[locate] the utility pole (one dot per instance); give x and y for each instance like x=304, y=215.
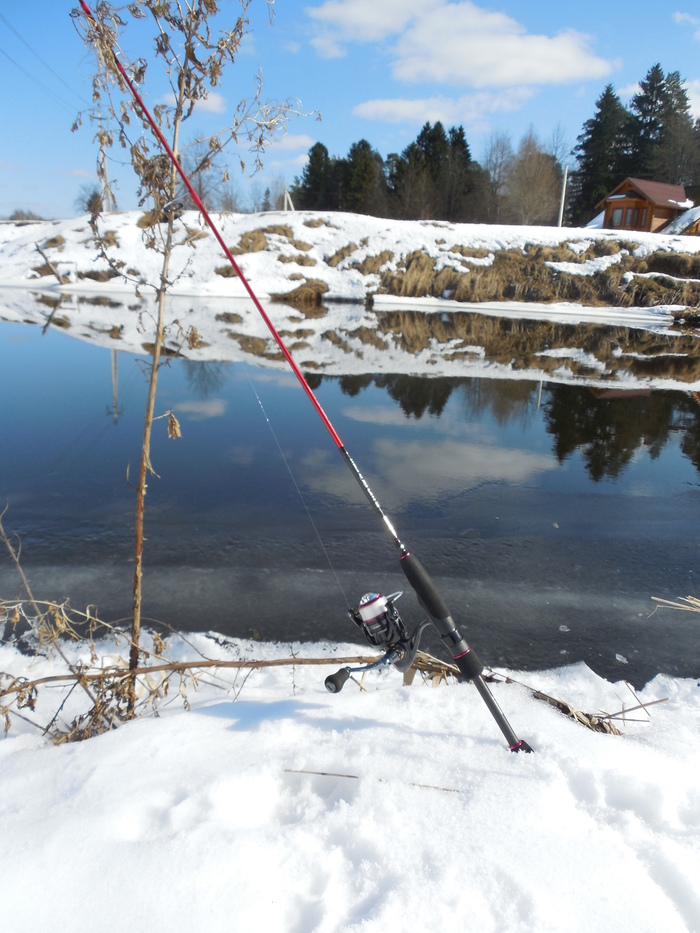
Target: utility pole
x=563, y=195
x=109, y=202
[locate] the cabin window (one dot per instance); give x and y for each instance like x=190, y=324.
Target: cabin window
x=644, y=218
x=632, y=217
x=616, y=220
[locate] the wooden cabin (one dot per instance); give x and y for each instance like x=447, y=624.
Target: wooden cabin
x=637, y=204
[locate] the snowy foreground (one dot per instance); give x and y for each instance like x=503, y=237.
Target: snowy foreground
x=216, y=819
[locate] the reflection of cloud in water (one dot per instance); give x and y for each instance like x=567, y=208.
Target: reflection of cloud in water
x=198, y=411
x=394, y=417
x=241, y=454
x=281, y=378
x=379, y=415
x=404, y=472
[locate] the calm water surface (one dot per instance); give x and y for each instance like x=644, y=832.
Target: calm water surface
x=548, y=515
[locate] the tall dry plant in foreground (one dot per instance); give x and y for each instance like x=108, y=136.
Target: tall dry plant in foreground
x=192, y=50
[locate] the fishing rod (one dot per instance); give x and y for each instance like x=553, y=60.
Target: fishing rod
x=380, y=627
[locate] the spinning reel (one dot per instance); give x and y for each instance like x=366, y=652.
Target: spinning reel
x=382, y=627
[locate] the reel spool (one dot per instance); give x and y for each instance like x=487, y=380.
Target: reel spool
x=383, y=628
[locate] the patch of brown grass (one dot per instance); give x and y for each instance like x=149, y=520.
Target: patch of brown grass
x=467, y=251
x=678, y=265
x=229, y=317
x=340, y=255
x=109, y=238
x=306, y=297
x=299, y=259
x=514, y=276
x=43, y=269
x=372, y=264
x=227, y=271
x=99, y=275
x=55, y=242
x=316, y=222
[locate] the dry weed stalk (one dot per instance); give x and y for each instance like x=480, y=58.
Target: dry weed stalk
x=39, y=627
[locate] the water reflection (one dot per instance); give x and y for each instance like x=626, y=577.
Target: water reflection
x=535, y=505
x=607, y=427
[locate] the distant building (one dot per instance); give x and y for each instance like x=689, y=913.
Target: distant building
x=637, y=204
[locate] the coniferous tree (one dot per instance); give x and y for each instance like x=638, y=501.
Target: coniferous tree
x=601, y=155
x=313, y=192
x=365, y=183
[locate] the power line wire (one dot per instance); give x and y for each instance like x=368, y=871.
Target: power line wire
x=46, y=65
x=59, y=100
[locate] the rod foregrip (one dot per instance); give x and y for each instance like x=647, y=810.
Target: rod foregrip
x=430, y=599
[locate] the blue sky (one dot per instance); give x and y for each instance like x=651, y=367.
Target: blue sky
x=373, y=69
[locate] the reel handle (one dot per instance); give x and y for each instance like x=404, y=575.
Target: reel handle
x=335, y=682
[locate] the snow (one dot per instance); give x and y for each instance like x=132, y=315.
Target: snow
x=273, y=805
x=681, y=223
x=277, y=806
x=299, y=245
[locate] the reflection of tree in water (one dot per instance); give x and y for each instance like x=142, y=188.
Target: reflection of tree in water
x=417, y=395
x=690, y=441
x=205, y=377
x=609, y=431
x=506, y=399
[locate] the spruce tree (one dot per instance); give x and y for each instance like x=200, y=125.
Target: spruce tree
x=601, y=155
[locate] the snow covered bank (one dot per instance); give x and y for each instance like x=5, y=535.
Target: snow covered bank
x=218, y=819
x=349, y=255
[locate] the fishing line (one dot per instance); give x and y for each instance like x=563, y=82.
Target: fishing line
x=428, y=595
x=300, y=494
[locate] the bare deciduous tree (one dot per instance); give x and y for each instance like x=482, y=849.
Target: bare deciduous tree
x=496, y=161
x=534, y=180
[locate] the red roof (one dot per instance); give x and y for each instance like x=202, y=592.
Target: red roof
x=657, y=192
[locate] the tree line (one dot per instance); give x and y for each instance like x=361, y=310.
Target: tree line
x=435, y=177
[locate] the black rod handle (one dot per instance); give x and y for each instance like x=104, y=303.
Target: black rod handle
x=464, y=657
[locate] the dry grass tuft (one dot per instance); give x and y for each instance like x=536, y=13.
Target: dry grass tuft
x=229, y=317
x=340, y=255
x=226, y=272
x=467, y=251
x=99, y=275
x=299, y=259
x=372, y=264
x=306, y=297
x=55, y=242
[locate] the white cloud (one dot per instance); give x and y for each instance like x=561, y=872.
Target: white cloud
x=470, y=109
x=457, y=43
x=291, y=142
x=693, y=88
x=687, y=19
x=214, y=103
x=369, y=20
